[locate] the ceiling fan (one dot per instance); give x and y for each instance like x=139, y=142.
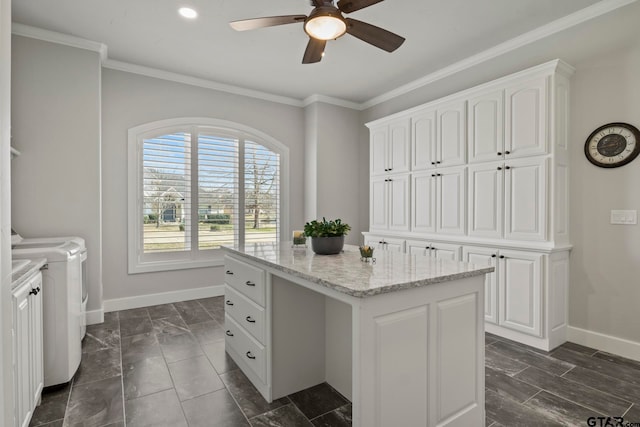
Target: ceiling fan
x=325, y=22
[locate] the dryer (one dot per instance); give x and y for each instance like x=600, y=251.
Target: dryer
x=63, y=316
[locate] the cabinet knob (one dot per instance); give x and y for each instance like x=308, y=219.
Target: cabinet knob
x=493, y=256
x=507, y=152
x=390, y=169
x=501, y=256
x=249, y=283
x=228, y=302
x=386, y=170
x=433, y=163
x=507, y=167
x=250, y=356
x=433, y=174
x=438, y=174
x=229, y=272
x=438, y=162
x=499, y=168
x=380, y=242
x=499, y=153
x=33, y=292
x=229, y=333
x=390, y=180
x=250, y=319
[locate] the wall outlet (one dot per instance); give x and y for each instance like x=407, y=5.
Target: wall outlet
x=624, y=217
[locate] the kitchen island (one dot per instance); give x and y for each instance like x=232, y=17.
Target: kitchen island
x=402, y=338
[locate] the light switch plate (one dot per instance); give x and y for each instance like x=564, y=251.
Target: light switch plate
x=624, y=217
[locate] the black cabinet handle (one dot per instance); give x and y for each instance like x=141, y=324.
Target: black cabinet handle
x=433, y=163
x=250, y=283
x=229, y=272
x=507, y=167
x=250, y=356
x=493, y=256
x=507, y=152
x=501, y=256
x=499, y=168
x=250, y=320
x=38, y=289
x=438, y=162
x=499, y=153
x=390, y=180
x=390, y=169
x=433, y=175
x=438, y=174
x=228, y=302
x=33, y=292
x=229, y=333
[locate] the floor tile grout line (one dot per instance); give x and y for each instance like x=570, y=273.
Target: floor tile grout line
x=628, y=409
x=574, y=402
x=537, y=393
x=328, y=412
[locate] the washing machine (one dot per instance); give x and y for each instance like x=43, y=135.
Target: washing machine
x=63, y=315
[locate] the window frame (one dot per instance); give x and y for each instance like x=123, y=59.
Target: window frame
x=138, y=261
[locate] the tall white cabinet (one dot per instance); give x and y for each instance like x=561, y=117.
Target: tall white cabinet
x=486, y=170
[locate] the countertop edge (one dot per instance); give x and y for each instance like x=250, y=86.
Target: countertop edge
x=25, y=273
x=367, y=293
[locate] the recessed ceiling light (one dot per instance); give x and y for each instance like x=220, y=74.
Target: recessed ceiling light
x=187, y=12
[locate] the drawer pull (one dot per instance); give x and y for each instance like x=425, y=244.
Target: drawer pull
x=250, y=356
x=229, y=333
x=250, y=320
x=250, y=283
x=229, y=272
x=228, y=302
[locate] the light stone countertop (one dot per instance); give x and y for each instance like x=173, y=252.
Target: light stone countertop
x=346, y=273
x=25, y=273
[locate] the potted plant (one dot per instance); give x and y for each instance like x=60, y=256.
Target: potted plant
x=327, y=237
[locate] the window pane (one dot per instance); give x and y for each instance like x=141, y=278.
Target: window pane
x=167, y=195
x=217, y=191
x=262, y=193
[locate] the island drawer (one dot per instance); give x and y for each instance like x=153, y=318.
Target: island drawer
x=246, y=312
x=250, y=351
x=245, y=278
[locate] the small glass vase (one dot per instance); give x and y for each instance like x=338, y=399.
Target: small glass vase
x=366, y=254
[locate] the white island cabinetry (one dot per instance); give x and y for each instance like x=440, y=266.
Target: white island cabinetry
x=411, y=328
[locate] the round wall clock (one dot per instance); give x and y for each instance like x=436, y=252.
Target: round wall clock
x=613, y=145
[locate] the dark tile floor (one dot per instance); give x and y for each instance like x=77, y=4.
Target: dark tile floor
x=166, y=366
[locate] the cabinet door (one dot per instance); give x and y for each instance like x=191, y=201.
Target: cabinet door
x=521, y=291
x=22, y=345
x=418, y=247
x=37, y=367
x=446, y=251
x=451, y=204
x=525, y=199
x=526, y=118
x=423, y=140
x=378, y=147
x=399, y=146
x=379, y=207
x=451, y=131
x=486, y=199
x=485, y=257
x=398, y=196
x=394, y=245
x=423, y=202
x=486, y=127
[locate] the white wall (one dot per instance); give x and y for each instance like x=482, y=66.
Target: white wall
x=332, y=152
x=6, y=368
x=56, y=126
x=605, y=262
x=130, y=100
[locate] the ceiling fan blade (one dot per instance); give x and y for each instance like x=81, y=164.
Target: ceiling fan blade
x=267, y=21
x=314, y=51
x=385, y=40
x=348, y=6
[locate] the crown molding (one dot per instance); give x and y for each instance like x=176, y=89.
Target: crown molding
x=312, y=99
x=59, y=38
x=195, y=81
x=593, y=11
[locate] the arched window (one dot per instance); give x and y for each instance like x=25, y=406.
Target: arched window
x=196, y=184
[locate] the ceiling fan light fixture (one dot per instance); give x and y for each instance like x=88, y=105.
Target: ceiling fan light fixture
x=188, y=12
x=325, y=26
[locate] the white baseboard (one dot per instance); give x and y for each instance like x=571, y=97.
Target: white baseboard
x=162, y=298
x=95, y=316
x=610, y=344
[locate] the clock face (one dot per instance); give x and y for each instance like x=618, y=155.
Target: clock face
x=613, y=145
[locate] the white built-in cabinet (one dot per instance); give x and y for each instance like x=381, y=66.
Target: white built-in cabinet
x=28, y=347
x=487, y=170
